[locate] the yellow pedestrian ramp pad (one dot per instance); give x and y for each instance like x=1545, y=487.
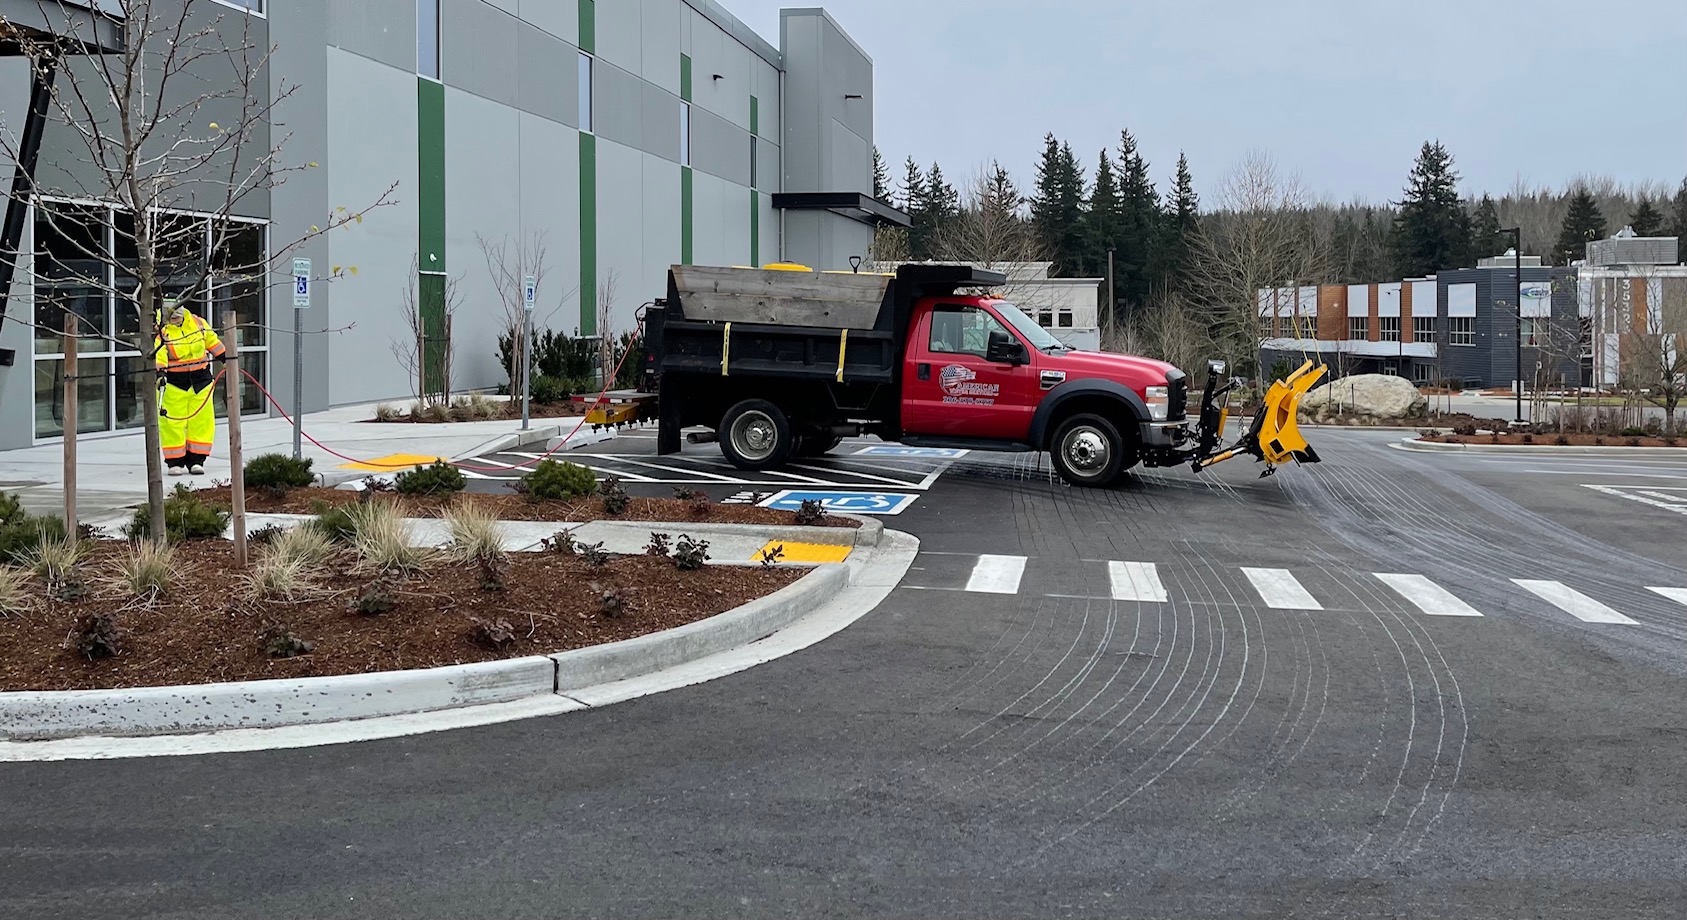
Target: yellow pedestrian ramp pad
x=805, y=552
x=392, y=463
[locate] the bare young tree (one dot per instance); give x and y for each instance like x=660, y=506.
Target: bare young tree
x=606, y=337
x=425, y=351
x=1169, y=330
x=1653, y=349
x=1259, y=238
x=175, y=134
x=508, y=262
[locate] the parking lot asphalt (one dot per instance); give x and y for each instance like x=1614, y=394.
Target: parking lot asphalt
x=1387, y=685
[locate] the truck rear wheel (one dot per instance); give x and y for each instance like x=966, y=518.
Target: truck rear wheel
x=755, y=435
x=1088, y=450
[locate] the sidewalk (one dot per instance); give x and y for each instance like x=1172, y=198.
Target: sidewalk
x=111, y=469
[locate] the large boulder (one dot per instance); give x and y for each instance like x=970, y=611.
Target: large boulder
x=1367, y=396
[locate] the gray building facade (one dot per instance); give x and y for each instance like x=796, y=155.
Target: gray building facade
x=618, y=137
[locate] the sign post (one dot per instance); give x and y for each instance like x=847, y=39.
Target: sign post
x=301, y=303
x=529, y=295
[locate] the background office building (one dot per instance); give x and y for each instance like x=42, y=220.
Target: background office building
x=618, y=136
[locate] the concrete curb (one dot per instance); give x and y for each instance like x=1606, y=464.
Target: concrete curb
x=1435, y=447
x=870, y=533
x=145, y=711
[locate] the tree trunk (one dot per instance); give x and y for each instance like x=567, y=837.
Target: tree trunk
x=154, y=443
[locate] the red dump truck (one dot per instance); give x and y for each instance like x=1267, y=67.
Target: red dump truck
x=783, y=362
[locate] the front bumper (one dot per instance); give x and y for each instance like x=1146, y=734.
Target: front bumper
x=1161, y=435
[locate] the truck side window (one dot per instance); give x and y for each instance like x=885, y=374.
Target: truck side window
x=958, y=330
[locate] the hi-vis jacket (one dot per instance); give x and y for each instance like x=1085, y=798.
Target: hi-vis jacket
x=187, y=347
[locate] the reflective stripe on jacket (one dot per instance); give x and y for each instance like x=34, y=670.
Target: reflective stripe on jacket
x=189, y=346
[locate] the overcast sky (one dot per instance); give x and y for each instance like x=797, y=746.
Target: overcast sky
x=1344, y=92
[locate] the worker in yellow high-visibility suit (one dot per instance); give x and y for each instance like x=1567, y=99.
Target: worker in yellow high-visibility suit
x=184, y=349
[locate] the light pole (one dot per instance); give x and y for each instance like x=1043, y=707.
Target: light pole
x=1517, y=268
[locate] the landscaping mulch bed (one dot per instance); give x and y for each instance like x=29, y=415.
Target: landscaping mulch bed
x=207, y=628
x=1567, y=439
x=511, y=507
x=506, y=411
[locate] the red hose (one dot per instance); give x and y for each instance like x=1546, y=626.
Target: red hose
x=477, y=469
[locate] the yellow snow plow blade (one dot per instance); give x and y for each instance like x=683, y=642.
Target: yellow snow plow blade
x=1274, y=437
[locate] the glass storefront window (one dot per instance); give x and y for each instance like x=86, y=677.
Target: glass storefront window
x=133, y=376
x=251, y=400
x=90, y=396
x=240, y=268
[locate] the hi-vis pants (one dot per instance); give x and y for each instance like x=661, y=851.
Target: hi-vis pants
x=189, y=420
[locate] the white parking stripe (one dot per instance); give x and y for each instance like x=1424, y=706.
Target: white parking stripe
x=1428, y=596
x=1679, y=595
x=1281, y=590
x=997, y=575
x=1573, y=602
x=1136, y=581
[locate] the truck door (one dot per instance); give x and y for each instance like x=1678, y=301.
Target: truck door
x=954, y=386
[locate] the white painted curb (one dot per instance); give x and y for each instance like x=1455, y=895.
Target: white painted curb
x=1434, y=447
x=868, y=534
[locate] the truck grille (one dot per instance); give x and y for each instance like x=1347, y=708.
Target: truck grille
x=1177, y=392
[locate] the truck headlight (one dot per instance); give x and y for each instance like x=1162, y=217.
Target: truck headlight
x=1159, y=402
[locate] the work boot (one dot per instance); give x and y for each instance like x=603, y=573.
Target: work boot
x=176, y=471
x=196, y=470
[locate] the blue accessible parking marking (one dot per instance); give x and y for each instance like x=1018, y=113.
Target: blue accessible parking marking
x=842, y=502
x=897, y=450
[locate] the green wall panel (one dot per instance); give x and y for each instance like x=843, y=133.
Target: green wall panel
x=588, y=234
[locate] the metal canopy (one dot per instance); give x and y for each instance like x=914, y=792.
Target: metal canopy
x=853, y=205
x=72, y=26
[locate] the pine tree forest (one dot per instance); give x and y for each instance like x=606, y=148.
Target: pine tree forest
x=1184, y=268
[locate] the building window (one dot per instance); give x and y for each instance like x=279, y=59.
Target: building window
x=250, y=6
x=685, y=134
x=1065, y=319
x=1388, y=328
x=427, y=38
x=1461, y=330
x=1358, y=327
x=1423, y=374
x=1423, y=328
x=1535, y=333
x=585, y=92
x=85, y=258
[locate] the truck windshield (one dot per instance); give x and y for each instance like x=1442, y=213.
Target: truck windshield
x=1039, y=337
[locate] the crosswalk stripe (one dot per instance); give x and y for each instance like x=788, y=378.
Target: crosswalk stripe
x=1427, y=596
x=1281, y=590
x=1679, y=595
x=1136, y=581
x=1573, y=602
x=996, y=575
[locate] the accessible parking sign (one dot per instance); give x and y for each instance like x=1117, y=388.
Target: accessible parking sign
x=842, y=502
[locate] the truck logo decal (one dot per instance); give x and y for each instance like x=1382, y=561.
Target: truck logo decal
x=959, y=386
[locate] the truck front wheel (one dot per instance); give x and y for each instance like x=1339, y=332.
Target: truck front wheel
x=1088, y=450
x=755, y=435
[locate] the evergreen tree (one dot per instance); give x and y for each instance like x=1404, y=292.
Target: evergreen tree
x=1583, y=222
x=913, y=201
x=1432, y=231
x=1057, y=207
x=881, y=177
x=1183, y=210
x=1679, y=223
x=1134, y=264
x=943, y=203
x=1646, y=219
x=1486, y=234
x=1104, y=218
x=1001, y=197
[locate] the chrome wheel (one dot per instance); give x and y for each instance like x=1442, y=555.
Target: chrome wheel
x=754, y=435
x=1085, y=450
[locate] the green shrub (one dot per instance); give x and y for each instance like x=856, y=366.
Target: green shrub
x=278, y=471
x=20, y=538
x=615, y=498
x=548, y=389
x=11, y=508
x=439, y=479
x=337, y=524
x=186, y=517
x=551, y=480
x=1632, y=432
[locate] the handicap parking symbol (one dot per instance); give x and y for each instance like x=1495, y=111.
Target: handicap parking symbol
x=842, y=502
x=897, y=450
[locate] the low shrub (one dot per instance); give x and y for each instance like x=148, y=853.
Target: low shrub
x=658, y=546
x=690, y=555
x=684, y=493
x=491, y=571
x=475, y=535
x=700, y=504
x=611, y=601
x=594, y=555
x=20, y=538
x=146, y=568
x=772, y=554
x=553, y=481
x=547, y=390
x=11, y=508
x=306, y=544
x=434, y=412
x=280, y=642
x=96, y=636
x=14, y=590
x=1632, y=431
x=1632, y=442
x=1467, y=429
x=54, y=560
x=440, y=478
x=384, y=542
x=493, y=634
x=1561, y=440
x=265, y=535
x=1528, y=438
x=278, y=471
x=560, y=542
x=811, y=511
x=374, y=599
x=337, y=524
x=385, y=412
x=1598, y=441
x=615, y=498
x=280, y=578
x=186, y=517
